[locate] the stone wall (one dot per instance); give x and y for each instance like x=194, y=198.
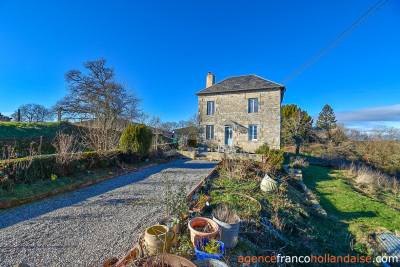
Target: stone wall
x=234, y=107
x=187, y=154
x=238, y=156
x=218, y=156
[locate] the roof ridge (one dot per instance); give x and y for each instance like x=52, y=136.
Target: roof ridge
x=267, y=80
x=241, y=83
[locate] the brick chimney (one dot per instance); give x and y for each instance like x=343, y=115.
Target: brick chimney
x=210, y=79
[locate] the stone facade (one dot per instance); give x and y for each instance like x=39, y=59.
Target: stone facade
x=231, y=109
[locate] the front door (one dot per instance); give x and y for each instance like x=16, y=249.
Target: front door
x=228, y=136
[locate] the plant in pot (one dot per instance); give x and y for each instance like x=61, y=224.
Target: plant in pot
x=201, y=202
x=229, y=222
x=175, y=205
x=210, y=248
x=200, y=228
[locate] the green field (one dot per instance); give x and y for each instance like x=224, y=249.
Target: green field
x=360, y=212
x=25, y=130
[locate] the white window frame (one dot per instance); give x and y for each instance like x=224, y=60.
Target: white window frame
x=253, y=132
x=253, y=105
x=209, y=132
x=210, y=107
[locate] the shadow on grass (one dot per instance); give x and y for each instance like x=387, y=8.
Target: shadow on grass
x=314, y=175
x=32, y=210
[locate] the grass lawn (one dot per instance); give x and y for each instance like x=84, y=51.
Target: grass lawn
x=361, y=214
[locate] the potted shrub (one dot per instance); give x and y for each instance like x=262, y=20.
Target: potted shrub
x=210, y=248
x=229, y=223
x=200, y=228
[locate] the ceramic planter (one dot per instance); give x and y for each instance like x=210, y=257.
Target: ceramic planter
x=158, y=239
x=196, y=235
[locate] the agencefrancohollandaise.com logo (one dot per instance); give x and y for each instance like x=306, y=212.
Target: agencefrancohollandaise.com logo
x=326, y=258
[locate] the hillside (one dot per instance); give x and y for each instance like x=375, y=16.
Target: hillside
x=24, y=130
x=20, y=135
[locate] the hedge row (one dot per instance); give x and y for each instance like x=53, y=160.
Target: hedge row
x=43, y=167
x=22, y=144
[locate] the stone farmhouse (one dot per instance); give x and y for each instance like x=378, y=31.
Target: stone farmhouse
x=240, y=112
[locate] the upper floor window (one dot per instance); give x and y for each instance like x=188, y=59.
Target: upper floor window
x=253, y=132
x=253, y=105
x=210, y=132
x=210, y=107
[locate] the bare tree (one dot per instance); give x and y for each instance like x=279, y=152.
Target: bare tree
x=33, y=113
x=101, y=102
x=169, y=126
x=193, y=120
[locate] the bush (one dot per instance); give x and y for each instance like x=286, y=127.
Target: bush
x=136, y=139
x=274, y=157
x=298, y=162
x=192, y=143
x=26, y=170
x=366, y=175
x=263, y=149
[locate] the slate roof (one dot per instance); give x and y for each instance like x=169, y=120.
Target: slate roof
x=241, y=83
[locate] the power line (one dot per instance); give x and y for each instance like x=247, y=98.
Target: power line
x=329, y=47
x=298, y=69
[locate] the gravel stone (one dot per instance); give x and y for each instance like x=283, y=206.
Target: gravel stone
x=92, y=224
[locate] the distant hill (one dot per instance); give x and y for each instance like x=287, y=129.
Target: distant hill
x=185, y=131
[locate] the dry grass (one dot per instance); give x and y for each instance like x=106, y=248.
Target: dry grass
x=224, y=214
x=366, y=175
x=298, y=162
x=236, y=168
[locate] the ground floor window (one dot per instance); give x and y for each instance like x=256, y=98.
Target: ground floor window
x=253, y=132
x=210, y=132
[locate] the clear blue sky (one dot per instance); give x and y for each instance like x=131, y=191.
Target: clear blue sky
x=164, y=49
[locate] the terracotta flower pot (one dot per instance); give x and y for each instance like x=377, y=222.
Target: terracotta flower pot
x=196, y=235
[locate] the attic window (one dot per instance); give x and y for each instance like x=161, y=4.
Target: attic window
x=253, y=105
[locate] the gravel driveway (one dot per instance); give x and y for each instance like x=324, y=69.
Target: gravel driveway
x=87, y=226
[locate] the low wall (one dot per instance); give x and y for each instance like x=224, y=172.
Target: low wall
x=187, y=154
x=218, y=156
x=239, y=156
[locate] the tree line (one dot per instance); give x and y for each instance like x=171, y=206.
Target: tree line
x=95, y=93
x=297, y=125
